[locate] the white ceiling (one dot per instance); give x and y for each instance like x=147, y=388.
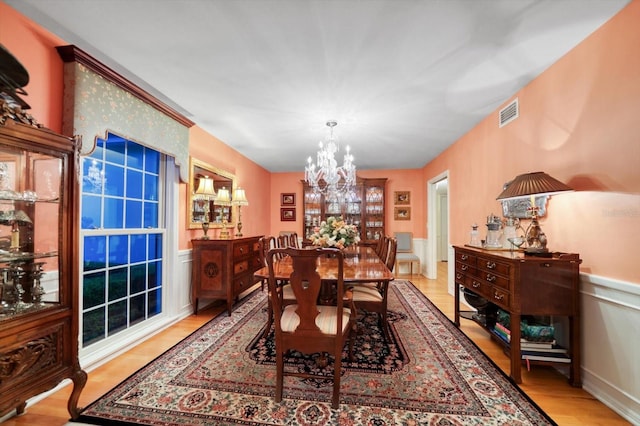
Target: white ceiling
x=403, y=78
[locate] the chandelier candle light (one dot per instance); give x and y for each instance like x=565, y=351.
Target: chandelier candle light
x=205, y=192
x=239, y=199
x=326, y=177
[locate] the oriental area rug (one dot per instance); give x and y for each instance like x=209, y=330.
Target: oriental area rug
x=426, y=373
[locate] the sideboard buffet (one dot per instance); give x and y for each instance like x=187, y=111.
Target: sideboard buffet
x=223, y=268
x=523, y=285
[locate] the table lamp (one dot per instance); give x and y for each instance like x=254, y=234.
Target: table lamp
x=205, y=192
x=223, y=199
x=530, y=185
x=239, y=199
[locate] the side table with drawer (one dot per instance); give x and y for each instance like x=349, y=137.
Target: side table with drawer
x=523, y=285
x=222, y=269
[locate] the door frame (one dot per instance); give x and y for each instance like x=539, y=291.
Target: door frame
x=432, y=223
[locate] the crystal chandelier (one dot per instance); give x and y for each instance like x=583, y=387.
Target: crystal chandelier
x=326, y=177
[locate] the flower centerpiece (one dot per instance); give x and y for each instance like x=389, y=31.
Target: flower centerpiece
x=335, y=233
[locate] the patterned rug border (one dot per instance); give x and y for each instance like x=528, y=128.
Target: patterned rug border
x=224, y=320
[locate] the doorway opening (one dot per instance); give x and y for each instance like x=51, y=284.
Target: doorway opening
x=438, y=222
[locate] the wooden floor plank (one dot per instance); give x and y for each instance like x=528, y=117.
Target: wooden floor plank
x=567, y=405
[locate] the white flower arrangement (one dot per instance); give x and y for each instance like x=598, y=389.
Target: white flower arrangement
x=335, y=233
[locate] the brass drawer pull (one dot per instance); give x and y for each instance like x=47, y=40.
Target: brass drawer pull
x=458, y=276
x=464, y=257
x=491, y=278
x=491, y=265
x=242, y=250
x=475, y=284
x=464, y=267
x=498, y=296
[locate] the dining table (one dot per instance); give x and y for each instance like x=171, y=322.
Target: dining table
x=361, y=265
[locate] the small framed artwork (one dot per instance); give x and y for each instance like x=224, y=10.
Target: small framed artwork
x=288, y=214
x=402, y=197
x=402, y=213
x=288, y=199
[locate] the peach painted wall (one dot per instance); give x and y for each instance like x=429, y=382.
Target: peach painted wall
x=398, y=180
x=253, y=178
x=34, y=48
x=579, y=123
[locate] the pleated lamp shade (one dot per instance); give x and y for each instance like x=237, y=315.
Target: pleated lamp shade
x=536, y=183
x=223, y=198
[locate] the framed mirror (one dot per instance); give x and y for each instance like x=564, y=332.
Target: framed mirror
x=200, y=203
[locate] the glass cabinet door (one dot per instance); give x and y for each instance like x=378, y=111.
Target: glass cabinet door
x=313, y=213
x=30, y=191
x=374, y=212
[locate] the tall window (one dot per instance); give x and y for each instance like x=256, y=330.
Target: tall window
x=122, y=238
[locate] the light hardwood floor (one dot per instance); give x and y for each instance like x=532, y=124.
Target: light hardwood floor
x=544, y=385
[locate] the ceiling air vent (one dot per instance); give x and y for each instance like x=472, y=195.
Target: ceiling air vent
x=509, y=113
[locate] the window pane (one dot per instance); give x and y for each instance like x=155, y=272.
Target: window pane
x=93, y=176
x=138, y=278
x=94, y=290
x=117, y=316
x=155, y=302
x=134, y=214
x=115, y=149
x=155, y=274
x=94, y=253
x=138, y=248
x=152, y=161
x=114, y=180
x=117, y=283
x=118, y=250
x=155, y=246
x=91, y=210
x=135, y=155
x=93, y=326
x=137, y=309
x=150, y=214
x=134, y=184
x=150, y=187
x=113, y=213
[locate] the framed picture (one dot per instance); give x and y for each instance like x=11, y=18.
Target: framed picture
x=287, y=214
x=402, y=197
x=288, y=199
x=520, y=207
x=402, y=213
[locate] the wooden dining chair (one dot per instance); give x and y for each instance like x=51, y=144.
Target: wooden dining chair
x=266, y=243
x=373, y=297
x=293, y=240
x=405, y=251
x=307, y=326
x=384, y=250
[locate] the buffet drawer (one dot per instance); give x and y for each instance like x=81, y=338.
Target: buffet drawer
x=494, y=266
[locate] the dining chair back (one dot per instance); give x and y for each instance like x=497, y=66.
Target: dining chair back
x=265, y=244
x=306, y=326
x=373, y=297
x=293, y=240
x=384, y=248
x=405, y=252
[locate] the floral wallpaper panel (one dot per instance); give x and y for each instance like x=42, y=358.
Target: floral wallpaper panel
x=94, y=106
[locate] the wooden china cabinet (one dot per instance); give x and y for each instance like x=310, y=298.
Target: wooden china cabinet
x=38, y=263
x=364, y=207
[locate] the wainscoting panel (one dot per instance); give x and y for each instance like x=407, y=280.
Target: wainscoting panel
x=611, y=343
